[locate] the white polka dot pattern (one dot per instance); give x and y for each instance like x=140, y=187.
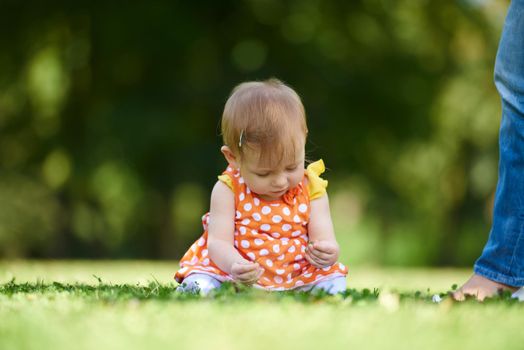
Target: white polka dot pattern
x=265, y=227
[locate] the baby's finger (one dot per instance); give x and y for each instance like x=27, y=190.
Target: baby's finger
x=247, y=282
x=253, y=276
x=314, y=261
x=244, y=268
x=318, y=254
x=248, y=277
x=311, y=261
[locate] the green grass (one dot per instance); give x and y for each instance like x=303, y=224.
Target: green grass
x=132, y=305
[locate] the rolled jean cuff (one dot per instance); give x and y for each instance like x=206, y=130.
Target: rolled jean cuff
x=498, y=277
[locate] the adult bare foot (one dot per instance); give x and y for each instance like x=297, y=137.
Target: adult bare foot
x=481, y=288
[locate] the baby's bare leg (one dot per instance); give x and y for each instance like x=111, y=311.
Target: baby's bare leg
x=480, y=287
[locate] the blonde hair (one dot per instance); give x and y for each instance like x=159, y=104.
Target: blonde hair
x=267, y=116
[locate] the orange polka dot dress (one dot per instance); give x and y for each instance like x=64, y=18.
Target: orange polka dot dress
x=272, y=233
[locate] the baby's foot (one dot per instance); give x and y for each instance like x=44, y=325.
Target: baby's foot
x=481, y=288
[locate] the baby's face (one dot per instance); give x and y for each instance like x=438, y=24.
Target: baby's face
x=271, y=182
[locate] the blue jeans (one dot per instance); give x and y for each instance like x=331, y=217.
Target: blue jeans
x=502, y=259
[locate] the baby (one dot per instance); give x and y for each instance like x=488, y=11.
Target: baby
x=269, y=223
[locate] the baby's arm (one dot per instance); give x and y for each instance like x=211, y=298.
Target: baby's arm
x=323, y=248
x=221, y=235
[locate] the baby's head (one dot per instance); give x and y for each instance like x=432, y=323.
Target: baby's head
x=264, y=131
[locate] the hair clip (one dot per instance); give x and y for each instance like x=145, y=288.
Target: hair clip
x=240, y=138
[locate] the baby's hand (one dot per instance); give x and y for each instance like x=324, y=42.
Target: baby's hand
x=246, y=272
x=322, y=253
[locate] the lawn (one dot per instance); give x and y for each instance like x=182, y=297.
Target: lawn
x=131, y=305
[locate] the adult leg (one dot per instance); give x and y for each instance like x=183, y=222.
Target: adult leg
x=501, y=264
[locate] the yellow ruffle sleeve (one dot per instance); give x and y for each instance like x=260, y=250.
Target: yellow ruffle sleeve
x=227, y=180
x=316, y=185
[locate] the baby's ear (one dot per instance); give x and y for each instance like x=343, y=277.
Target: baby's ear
x=229, y=155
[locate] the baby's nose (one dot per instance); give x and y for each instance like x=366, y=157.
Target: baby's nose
x=280, y=181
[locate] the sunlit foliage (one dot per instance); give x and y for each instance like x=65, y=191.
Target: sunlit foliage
x=109, y=114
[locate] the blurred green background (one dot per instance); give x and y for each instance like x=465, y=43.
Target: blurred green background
x=110, y=112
